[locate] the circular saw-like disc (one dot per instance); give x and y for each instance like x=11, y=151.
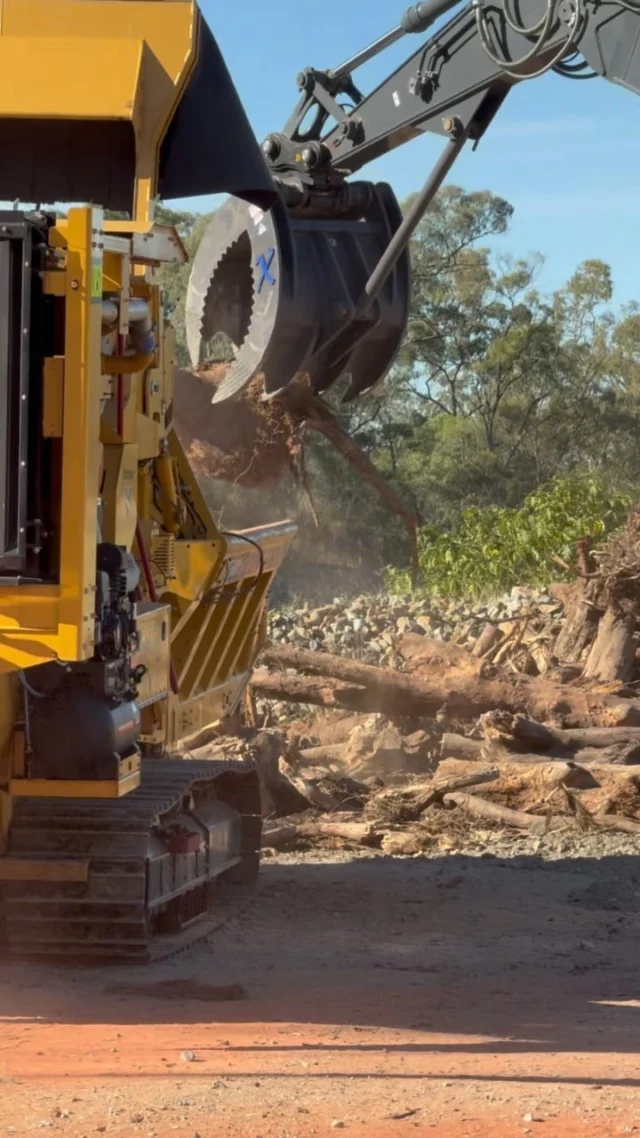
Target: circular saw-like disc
x=235, y=288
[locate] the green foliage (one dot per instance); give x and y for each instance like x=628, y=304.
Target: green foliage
x=493, y=549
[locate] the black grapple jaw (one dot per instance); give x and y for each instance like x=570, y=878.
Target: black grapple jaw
x=286, y=287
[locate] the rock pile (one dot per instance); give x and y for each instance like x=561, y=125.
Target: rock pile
x=366, y=628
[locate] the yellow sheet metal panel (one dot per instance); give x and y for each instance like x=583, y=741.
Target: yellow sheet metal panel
x=68, y=788
x=26, y=869
x=120, y=493
x=206, y=709
x=243, y=558
x=196, y=567
x=29, y=609
x=154, y=623
x=152, y=242
x=108, y=60
x=53, y=397
x=54, y=281
x=81, y=431
x=98, y=80
x=5, y=816
x=168, y=493
x=168, y=26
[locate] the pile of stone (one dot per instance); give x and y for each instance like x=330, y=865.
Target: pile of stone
x=367, y=628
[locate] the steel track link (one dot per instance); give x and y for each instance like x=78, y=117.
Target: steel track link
x=112, y=918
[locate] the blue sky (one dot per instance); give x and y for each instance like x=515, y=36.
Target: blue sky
x=563, y=153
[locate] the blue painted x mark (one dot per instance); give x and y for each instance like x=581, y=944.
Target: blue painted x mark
x=264, y=263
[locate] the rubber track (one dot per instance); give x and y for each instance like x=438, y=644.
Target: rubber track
x=104, y=920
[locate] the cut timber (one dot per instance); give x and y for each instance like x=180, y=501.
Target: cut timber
x=488, y=639
x=494, y=813
x=275, y=837
x=460, y=747
x=613, y=822
x=409, y=803
x=521, y=770
x=332, y=753
x=316, y=795
x=460, y=697
x=613, y=653
x=583, y=610
x=301, y=689
x=360, y=832
x=546, y=738
x=279, y=796
x=624, y=755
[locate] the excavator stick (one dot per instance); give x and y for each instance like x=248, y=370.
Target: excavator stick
x=286, y=287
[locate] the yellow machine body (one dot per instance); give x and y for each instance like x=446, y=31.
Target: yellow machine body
x=114, y=74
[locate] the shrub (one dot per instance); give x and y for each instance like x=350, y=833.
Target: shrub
x=493, y=549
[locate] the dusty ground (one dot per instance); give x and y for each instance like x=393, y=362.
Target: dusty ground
x=451, y=996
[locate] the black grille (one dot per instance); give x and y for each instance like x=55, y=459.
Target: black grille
x=21, y=365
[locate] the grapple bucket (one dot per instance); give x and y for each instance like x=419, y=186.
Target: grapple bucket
x=288, y=288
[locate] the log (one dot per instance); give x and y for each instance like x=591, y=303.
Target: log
x=276, y=837
x=302, y=689
x=613, y=653
x=316, y=795
x=534, y=824
x=614, y=822
x=332, y=753
x=460, y=747
x=458, y=696
x=533, y=733
x=582, y=610
x=613, y=770
x=442, y=786
x=623, y=755
x=520, y=768
x=360, y=832
x=494, y=813
x=408, y=804
x=279, y=796
x=490, y=636
x=575, y=739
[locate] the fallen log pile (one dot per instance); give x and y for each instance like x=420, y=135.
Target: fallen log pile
x=458, y=735
x=441, y=688
x=452, y=742
x=498, y=786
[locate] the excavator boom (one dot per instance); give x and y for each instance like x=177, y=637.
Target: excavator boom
x=319, y=285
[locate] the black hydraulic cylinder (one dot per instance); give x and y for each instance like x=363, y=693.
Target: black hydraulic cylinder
x=368, y=53
x=416, y=19
x=421, y=16
x=402, y=236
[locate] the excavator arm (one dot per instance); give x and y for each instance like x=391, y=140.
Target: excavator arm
x=320, y=284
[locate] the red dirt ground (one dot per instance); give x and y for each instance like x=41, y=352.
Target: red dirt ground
x=457, y=997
